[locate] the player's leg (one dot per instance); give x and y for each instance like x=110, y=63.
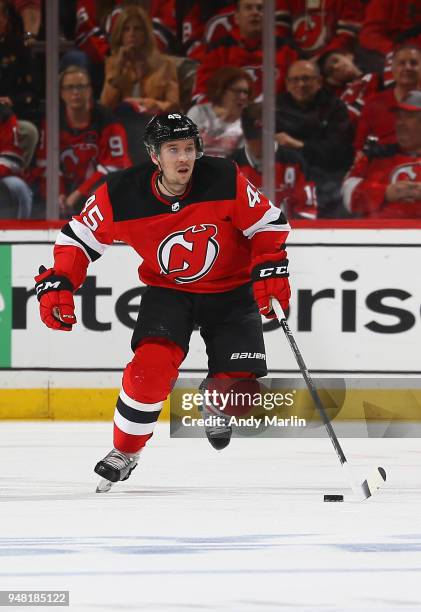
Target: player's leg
x=233, y=333
x=219, y=430
x=160, y=342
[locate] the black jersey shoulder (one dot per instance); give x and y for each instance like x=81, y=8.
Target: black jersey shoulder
x=214, y=178
x=239, y=157
x=131, y=195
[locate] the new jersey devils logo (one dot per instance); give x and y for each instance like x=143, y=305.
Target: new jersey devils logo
x=406, y=172
x=310, y=31
x=189, y=254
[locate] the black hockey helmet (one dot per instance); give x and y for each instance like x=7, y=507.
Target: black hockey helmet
x=173, y=126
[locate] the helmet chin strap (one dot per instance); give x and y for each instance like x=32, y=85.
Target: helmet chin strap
x=160, y=180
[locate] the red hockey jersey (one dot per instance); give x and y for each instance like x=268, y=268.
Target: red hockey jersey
x=10, y=151
x=197, y=36
x=86, y=154
x=319, y=26
x=366, y=183
x=203, y=242
x=233, y=50
x=357, y=93
x=295, y=195
x=89, y=36
x=388, y=22
x=377, y=119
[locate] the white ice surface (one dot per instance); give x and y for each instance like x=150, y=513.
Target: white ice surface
x=196, y=530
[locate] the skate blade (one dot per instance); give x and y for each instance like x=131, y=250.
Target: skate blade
x=103, y=485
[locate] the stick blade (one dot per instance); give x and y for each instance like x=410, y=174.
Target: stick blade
x=375, y=480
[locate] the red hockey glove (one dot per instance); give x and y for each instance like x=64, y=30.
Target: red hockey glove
x=55, y=296
x=270, y=280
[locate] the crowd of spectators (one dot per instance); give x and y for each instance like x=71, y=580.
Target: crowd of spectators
x=348, y=97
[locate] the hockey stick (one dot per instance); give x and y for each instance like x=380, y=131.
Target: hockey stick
x=374, y=481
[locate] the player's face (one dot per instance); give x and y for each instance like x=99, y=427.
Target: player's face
x=408, y=130
x=133, y=34
x=406, y=68
x=249, y=17
x=236, y=97
x=177, y=159
x=76, y=91
x=303, y=82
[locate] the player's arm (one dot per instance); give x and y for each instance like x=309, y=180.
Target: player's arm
x=80, y=242
x=267, y=228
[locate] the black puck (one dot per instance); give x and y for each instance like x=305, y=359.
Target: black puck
x=333, y=498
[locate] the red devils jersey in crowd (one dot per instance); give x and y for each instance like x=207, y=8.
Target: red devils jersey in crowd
x=365, y=186
x=233, y=50
x=10, y=151
x=356, y=94
x=294, y=193
x=377, y=119
x=391, y=22
x=86, y=154
x=89, y=36
x=202, y=242
x=318, y=26
x=199, y=28
x=198, y=33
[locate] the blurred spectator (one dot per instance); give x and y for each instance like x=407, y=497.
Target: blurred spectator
x=136, y=72
x=345, y=79
x=229, y=91
x=378, y=119
x=387, y=184
x=313, y=122
x=16, y=66
x=82, y=23
x=389, y=23
x=201, y=23
x=89, y=36
x=319, y=26
x=243, y=48
x=294, y=193
x=92, y=143
x=204, y=23
x=16, y=80
x=163, y=15
x=30, y=12
x=15, y=195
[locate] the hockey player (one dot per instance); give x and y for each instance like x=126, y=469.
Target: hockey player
x=203, y=231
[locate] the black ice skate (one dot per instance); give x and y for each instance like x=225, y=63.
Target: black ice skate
x=114, y=467
x=217, y=428
x=219, y=436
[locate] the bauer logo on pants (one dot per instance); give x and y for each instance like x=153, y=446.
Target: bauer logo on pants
x=189, y=254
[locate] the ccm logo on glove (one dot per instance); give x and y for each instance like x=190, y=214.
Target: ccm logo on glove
x=41, y=288
x=270, y=280
x=274, y=271
x=55, y=296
